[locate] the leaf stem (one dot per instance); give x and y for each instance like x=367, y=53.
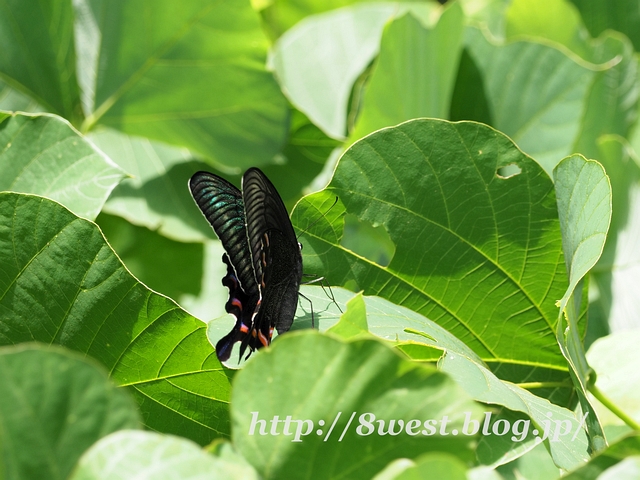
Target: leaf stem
x=606, y=401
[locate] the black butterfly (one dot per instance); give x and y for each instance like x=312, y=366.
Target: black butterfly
x=264, y=264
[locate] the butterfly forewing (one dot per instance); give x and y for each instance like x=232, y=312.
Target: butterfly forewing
x=222, y=205
x=275, y=251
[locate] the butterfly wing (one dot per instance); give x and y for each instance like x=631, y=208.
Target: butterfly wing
x=276, y=256
x=222, y=205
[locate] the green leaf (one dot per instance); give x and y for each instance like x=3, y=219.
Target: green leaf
x=624, y=17
x=558, y=426
x=534, y=465
x=43, y=154
x=13, y=101
x=536, y=94
x=353, y=321
x=435, y=465
x=38, y=57
x=60, y=282
x=281, y=15
x=415, y=72
x=53, y=405
x=130, y=454
x=198, y=80
x=189, y=273
x=477, y=253
x=615, y=454
x=358, y=379
x=584, y=205
x=318, y=61
x=155, y=196
x=555, y=20
x=612, y=105
x=398, y=324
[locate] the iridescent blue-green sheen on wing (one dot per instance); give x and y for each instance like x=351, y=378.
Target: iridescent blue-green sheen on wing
x=222, y=205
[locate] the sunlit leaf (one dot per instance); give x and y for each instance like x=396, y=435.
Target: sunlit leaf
x=61, y=283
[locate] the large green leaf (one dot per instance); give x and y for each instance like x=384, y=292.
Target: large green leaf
x=409, y=330
x=43, y=154
x=198, y=79
x=318, y=61
x=328, y=383
x=60, y=282
x=415, y=72
x=131, y=454
x=536, y=94
x=38, y=55
x=53, y=405
x=477, y=253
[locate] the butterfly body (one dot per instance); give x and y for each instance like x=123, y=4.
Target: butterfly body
x=264, y=264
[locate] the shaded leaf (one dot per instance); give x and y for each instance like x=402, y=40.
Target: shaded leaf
x=625, y=18
x=415, y=72
x=198, y=80
x=536, y=94
x=189, y=273
x=54, y=404
x=38, y=57
x=399, y=324
x=155, y=196
x=617, y=273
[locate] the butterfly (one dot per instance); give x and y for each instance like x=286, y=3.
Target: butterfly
x=264, y=263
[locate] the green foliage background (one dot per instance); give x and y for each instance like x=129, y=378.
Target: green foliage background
x=484, y=155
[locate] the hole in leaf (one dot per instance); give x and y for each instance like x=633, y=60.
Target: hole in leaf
x=372, y=242
x=509, y=171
